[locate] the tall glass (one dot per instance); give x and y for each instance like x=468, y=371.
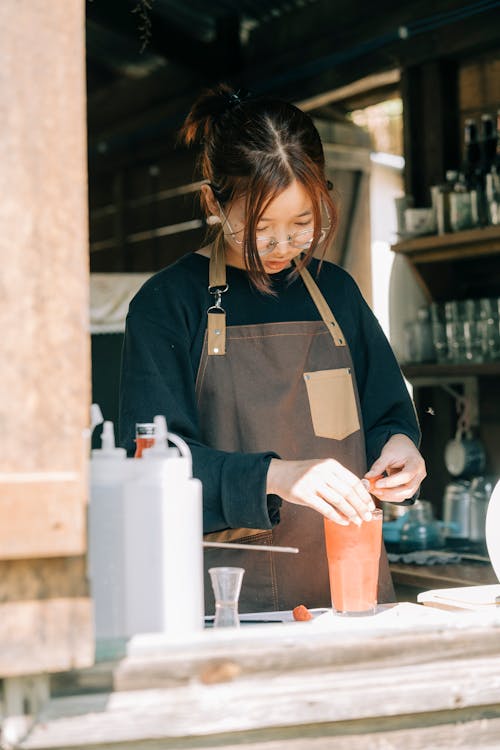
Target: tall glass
x=439, y=338
x=353, y=554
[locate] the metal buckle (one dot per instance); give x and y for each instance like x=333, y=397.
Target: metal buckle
x=217, y=292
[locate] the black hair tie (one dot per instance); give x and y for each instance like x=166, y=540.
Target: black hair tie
x=236, y=98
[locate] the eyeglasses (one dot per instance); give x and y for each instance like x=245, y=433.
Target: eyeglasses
x=301, y=240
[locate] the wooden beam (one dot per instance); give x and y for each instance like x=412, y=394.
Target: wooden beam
x=339, y=52
x=50, y=635
x=42, y=515
x=45, y=346
x=46, y=617
x=351, y=90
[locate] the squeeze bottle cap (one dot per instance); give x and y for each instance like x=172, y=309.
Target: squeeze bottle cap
x=108, y=448
x=160, y=447
x=95, y=417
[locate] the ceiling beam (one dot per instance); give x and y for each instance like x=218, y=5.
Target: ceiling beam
x=313, y=70
x=362, y=86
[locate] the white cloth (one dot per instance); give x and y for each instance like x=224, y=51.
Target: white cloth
x=110, y=295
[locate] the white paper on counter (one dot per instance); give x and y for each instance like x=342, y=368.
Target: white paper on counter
x=463, y=597
x=404, y=616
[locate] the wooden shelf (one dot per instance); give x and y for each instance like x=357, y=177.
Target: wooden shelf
x=452, y=246
x=433, y=370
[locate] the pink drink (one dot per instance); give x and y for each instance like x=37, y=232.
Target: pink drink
x=353, y=558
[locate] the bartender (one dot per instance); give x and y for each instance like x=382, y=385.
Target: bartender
x=268, y=361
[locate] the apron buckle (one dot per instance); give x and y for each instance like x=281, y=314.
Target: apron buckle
x=217, y=292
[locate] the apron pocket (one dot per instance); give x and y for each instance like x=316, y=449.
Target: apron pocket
x=332, y=402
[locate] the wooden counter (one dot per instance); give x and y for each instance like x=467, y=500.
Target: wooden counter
x=429, y=679
x=424, y=577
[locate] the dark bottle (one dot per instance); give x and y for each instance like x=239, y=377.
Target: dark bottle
x=474, y=179
x=472, y=154
x=496, y=160
x=488, y=144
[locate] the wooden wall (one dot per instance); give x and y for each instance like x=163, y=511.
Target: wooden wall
x=144, y=211
x=479, y=86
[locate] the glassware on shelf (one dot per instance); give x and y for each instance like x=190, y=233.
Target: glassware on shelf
x=493, y=197
x=454, y=332
x=439, y=339
x=419, y=345
x=489, y=321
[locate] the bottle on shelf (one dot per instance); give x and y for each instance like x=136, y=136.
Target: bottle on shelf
x=492, y=178
x=473, y=177
x=440, y=198
x=496, y=159
x=462, y=202
x=487, y=143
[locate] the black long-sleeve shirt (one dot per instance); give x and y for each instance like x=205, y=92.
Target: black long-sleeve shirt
x=162, y=348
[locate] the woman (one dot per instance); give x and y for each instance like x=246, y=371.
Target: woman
x=269, y=363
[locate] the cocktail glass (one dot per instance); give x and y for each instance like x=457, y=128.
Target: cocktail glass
x=353, y=554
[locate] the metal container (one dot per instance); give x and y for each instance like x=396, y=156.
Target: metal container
x=456, y=509
x=480, y=493
x=464, y=456
x=420, y=530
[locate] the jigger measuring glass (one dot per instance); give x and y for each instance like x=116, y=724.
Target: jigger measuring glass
x=226, y=583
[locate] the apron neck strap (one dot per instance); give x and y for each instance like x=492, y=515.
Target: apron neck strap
x=217, y=286
x=322, y=306
x=217, y=272
x=217, y=318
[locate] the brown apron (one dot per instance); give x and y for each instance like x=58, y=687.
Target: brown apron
x=289, y=388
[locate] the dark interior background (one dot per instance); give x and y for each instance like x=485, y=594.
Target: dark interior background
x=148, y=59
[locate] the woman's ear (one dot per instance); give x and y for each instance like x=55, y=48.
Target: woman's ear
x=212, y=205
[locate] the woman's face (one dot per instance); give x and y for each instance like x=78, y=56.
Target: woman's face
x=289, y=213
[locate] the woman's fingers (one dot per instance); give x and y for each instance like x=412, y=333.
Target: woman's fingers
x=341, y=504
x=343, y=490
x=327, y=510
x=324, y=485
x=348, y=501
x=399, y=486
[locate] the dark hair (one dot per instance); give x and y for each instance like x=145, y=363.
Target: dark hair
x=255, y=147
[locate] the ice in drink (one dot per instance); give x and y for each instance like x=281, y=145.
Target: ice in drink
x=353, y=554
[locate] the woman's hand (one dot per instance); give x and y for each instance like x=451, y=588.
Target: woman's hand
x=405, y=469
x=322, y=484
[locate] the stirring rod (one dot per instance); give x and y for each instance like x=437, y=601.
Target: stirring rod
x=255, y=547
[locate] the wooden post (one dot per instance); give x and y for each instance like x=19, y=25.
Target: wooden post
x=45, y=622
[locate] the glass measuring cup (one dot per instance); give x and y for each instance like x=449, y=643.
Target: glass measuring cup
x=226, y=583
